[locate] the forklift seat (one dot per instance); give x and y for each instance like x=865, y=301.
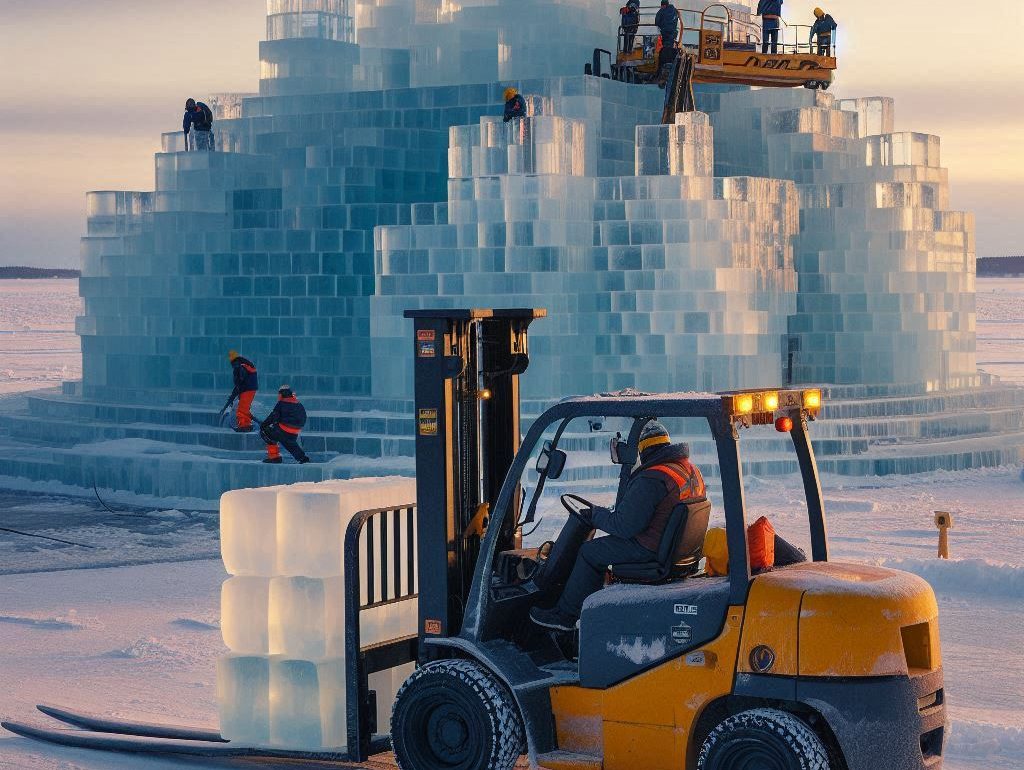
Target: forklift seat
x=682, y=545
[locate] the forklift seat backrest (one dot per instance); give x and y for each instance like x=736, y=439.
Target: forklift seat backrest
x=681, y=548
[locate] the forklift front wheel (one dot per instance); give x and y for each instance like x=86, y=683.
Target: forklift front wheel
x=767, y=739
x=453, y=714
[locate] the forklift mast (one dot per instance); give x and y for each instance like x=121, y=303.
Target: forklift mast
x=468, y=363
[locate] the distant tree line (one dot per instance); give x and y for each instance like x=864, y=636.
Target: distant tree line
x=1001, y=265
x=20, y=271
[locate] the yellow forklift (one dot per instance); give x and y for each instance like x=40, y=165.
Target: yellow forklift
x=812, y=665
x=816, y=666
x=712, y=47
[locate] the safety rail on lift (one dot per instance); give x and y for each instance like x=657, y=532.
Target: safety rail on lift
x=390, y=567
x=736, y=35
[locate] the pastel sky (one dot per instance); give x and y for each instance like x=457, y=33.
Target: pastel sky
x=89, y=85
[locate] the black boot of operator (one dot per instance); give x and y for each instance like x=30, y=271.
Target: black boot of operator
x=553, y=618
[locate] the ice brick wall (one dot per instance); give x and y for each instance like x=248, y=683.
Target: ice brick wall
x=283, y=682
x=886, y=269
x=669, y=281
x=267, y=247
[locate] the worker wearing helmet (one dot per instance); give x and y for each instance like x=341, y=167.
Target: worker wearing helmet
x=283, y=426
x=630, y=14
x=635, y=526
x=823, y=28
x=770, y=12
x=515, y=104
x=246, y=384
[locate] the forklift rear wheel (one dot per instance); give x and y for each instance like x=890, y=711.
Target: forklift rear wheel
x=453, y=714
x=767, y=739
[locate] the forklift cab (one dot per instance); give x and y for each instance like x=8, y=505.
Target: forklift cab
x=789, y=667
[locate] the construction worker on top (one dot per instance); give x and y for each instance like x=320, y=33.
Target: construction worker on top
x=630, y=13
x=515, y=105
x=283, y=426
x=246, y=384
x=667, y=22
x=199, y=118
x=823, y=27
x=770, y=12
x=635, y=526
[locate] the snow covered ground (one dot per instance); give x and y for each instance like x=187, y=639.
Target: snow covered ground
x=140, y=639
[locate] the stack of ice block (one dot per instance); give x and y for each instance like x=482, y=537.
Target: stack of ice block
x=283, y=607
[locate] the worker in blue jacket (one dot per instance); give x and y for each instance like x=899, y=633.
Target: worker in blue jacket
x=283, y=426
x=247, y=382
x=515, y=104
x=667, y=22
x=770, y=12
x=198, y=117
x=823, y=27
x=630, y=13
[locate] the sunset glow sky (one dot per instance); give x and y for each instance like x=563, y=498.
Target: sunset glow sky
x=88, y=86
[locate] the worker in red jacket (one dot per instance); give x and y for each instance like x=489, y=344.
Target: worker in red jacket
x=283, y=426
x=246, y=384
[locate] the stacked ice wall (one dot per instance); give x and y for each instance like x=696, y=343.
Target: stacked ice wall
x=886, y=269
x=283, y=684
x=667, y=279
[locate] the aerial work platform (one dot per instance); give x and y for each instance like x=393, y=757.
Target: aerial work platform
x=725, y=50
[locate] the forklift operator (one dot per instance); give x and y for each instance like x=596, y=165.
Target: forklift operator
x=664, y=478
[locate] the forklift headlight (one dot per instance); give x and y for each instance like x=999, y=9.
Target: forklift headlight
x=744, y=404
x=771, y=401
x=812, y=399
x=484, y=394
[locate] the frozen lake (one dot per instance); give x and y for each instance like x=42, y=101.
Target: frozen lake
x=38, y=344
x=39, y=347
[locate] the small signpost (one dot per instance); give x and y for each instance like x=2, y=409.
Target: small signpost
x=944, y=521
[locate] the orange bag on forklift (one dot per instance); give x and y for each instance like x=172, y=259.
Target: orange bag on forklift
x=760, y=543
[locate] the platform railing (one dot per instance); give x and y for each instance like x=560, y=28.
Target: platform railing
x=388, y=559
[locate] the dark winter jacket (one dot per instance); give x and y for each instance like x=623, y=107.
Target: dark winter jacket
x=649, y=498
x=515, y=108
x=288, y=414
x=667, y=20
x=631, y=17
x=823, y=27
x=201, y=118
x=246, y=378
x=769, y=8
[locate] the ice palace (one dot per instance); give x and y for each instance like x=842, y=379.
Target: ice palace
x=774, y=236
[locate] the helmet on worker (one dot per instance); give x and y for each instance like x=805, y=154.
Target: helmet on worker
x=285, y=391
x=511, y=92
x=190, y=104
x=232, y=355
x=818, y=12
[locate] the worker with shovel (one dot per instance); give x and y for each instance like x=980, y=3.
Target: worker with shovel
x=246, y=384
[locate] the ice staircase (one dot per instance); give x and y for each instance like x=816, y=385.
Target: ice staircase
x=172, y=446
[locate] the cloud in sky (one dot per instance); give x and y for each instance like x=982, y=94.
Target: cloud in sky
x=89, y=87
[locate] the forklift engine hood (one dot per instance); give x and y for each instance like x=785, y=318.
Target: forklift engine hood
x=855, y=620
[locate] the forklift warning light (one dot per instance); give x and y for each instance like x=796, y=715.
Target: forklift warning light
x=760, y=407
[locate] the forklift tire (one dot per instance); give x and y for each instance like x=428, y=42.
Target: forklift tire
x=764, y=738
x=453, y=715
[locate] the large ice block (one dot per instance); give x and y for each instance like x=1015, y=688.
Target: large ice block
x=307, y=617
x=243, y=692
x=307, y=703
x=244, y=624
x=311, y=521
x=248, y=531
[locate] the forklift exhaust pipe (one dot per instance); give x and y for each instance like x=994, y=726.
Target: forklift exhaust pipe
x=555, y=571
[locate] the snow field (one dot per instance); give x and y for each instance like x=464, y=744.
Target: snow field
x=283, y=609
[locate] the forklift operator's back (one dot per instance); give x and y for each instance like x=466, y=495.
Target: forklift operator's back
x=798, y=666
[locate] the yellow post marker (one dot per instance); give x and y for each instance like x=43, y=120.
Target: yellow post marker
x=944, y=521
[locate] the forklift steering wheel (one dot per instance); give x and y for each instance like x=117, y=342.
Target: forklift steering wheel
x=575, y=505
